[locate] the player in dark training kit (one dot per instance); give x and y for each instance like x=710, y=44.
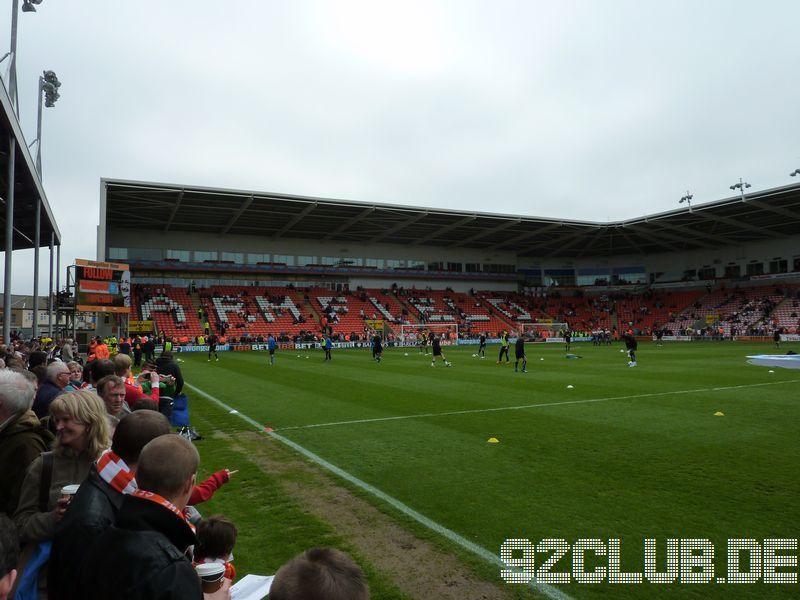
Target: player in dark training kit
x=519, y=351
x=482, y=347
x=212, y=347
x=437, y=351
x=632, y=345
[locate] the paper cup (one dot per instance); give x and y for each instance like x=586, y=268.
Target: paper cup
x=211, y=575
x=68, y=491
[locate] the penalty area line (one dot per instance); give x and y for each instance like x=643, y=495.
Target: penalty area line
x=529, y=406
x=547, y=590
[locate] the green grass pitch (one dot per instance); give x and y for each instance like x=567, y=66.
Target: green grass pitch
x=628, y=453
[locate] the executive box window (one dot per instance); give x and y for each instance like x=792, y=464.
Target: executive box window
x=117, y=254
x=202, y=255
x=779, y=265
x=234, y=257
x=254, y=259
x=181, y=255
x=756, y=268
x=733, y=271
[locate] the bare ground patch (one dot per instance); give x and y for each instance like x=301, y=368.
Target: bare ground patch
x=415, y=566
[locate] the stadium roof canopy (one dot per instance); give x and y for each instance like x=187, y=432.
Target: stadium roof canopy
x=759, y=216
x=27, y=185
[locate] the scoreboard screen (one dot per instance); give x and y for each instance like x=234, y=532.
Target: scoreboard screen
x=102, y=287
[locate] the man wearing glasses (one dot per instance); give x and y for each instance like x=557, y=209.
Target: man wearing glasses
x=57, y=379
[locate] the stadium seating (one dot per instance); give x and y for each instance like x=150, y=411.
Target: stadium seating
x=653, y=310
x=288, y=311
x=170, y=308
x=256, y=311
x=737, y=309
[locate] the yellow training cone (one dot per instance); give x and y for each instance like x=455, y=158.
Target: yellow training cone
x=719, y=414
x=493, y=440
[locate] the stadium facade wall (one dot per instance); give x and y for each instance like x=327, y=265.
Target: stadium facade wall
x=156, y=240
x=436, y=284
x=713, y=257
x=716, y=257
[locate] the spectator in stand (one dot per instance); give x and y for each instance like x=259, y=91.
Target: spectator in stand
x=76, y=381
x=97, y=370
x=216, y=537
x=137, y=351
x=125, y=346
x=95, y=506
x=320, y=573
x=37, y=358
x=66, y=351
x=111, y=389
x=82, y=435
x=22, y=436
x=133, y=388
x=167, y=366
x=57, y=378
x=149, y=348
x=101, y=350
x=144, y=551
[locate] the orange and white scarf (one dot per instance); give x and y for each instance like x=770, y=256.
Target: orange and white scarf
x=113, y=470
x=161, y=501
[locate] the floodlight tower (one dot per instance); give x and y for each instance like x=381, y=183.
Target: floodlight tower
x=688, y=199
x=27, y=6
x=741, y=186
x=48, y=94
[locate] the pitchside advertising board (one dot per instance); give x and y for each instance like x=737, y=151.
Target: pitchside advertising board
x=102, y=286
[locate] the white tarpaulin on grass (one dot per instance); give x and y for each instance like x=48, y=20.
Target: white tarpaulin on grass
x=784, y=361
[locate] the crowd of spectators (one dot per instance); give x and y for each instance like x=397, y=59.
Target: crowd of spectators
x=98, y=496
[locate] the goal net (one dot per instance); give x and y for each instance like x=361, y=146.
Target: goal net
x=542, y=331
x=446, y=332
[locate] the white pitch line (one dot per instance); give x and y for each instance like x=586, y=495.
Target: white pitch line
x=527, y=406
x=451, y=535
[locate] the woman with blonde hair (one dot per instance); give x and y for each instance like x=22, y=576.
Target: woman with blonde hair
x=82, y=435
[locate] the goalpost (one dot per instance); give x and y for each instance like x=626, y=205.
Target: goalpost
x=446, y=332
x=541, y=332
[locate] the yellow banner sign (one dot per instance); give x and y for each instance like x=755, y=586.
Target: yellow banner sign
x=140, y=326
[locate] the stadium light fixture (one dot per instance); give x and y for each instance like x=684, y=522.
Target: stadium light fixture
x=688, y=199
x=741, y=186
x=27, y=6
x=48, y=94
x=794, y=173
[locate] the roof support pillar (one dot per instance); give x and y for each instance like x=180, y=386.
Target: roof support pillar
x=12, y=152
x=50, y=289
x=37, y=232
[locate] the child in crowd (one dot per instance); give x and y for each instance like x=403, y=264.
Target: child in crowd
x=216, y=537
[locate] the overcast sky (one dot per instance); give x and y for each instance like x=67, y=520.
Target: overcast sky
x=598, y=110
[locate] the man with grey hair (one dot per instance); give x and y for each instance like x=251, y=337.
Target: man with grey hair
x=56, y=380
x=22, y=437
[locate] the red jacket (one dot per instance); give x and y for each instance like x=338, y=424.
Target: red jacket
x=204, y=491
x=134, y=393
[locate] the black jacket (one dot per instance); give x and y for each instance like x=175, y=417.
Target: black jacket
x=141, y=557
x=91, y=512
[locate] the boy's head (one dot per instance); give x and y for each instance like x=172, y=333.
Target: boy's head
x=216, y=537
x=320, y=573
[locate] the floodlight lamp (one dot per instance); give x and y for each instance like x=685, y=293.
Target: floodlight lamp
x=795, y=173
x=27, y=6
x=35, y=1
x=733, y=187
